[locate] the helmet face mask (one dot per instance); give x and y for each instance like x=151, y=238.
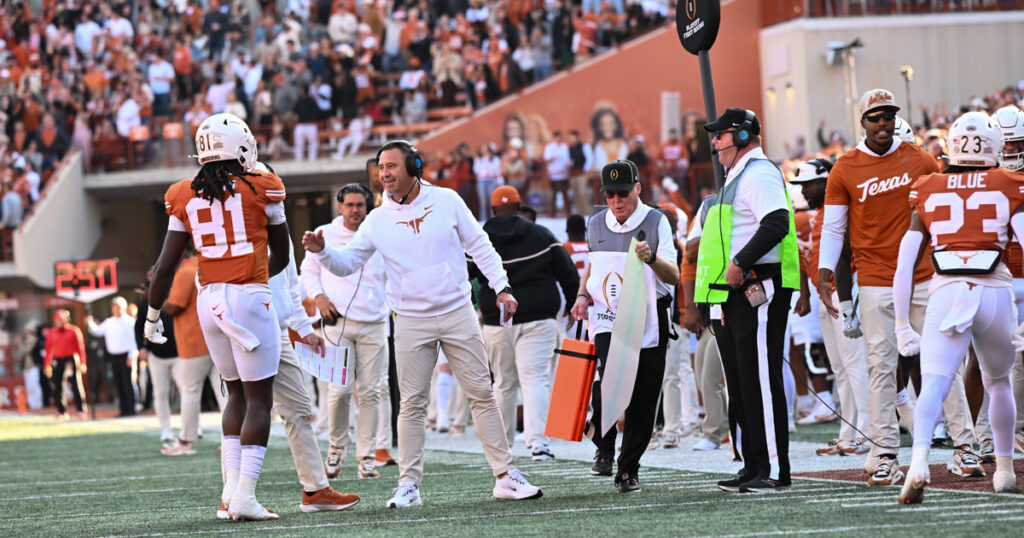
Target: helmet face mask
x=974, y=141
x=1010, y=120
x=225, y=137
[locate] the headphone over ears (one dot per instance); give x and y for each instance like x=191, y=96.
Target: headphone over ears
x=413, y=160
x=358, y=188
x=743, y=136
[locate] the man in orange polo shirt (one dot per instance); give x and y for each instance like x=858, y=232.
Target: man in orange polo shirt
x=195, y=363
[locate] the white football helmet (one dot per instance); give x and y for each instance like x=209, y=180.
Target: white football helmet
x=974, y=141
x=1010, y=121
x=225, y=137
x=904, y=131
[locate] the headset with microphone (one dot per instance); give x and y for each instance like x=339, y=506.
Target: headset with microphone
x=413, y=162
x=744, y=133
x=357, y=188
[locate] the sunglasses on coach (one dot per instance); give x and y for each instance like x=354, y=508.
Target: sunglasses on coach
x=718, y=134
x=888, y=115
x=616, y=194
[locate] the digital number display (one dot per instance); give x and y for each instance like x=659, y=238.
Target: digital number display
x=85, y=275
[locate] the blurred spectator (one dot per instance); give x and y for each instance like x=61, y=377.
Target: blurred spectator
x=65, y=348
x=581, y=158
x=675, y=157
x=119, y=335
x=558, y=161
x=306, y=132
x=358, y=132
x=128, y=114
x=11, y=208
x=233, y=106
x=487, y=168
x=415, y=108
x=513, y=165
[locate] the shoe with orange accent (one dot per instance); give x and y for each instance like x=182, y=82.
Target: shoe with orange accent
x=327, y=499
x=382, y=458
x=246, y=508
x=178, y=448
x=222, y=511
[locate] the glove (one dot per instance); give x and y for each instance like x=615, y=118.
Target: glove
x=1018, y=338
x=851, y=323
x=154, y=330
x=908, y=342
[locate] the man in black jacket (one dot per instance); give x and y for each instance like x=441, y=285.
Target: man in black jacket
x=521, y=354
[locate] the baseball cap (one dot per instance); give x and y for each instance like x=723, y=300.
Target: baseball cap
x=877, y=98
x=504, y=195
x=619, y=176
x=810, y=170
x=120, y=301
x=732, y=118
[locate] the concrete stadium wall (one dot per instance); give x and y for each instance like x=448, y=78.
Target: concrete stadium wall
x=955, y=57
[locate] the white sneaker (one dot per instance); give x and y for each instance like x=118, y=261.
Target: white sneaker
x=887, y=472
x=1005, y=482
x=407, y=495
x=705, y=445
x=542, y=453
x=514, y=486
x=178, y=448
x=166, y=435
x=918, y=478
x=245, y=508
x=335, y=457
x=366, y=469
x=819, y=415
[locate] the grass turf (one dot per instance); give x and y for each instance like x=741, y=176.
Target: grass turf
x=108, y=479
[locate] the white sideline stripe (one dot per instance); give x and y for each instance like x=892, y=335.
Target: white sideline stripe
x=857, y=528
x=927, y=507
x=895, y=500
x=105, y=479
x=104, y=514
x=980, y=512
x=842, y=497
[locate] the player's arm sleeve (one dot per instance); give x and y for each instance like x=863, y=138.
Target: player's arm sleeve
x=351, y=257
x=833, y=230
x=478, y=246
x=834, y=221
x=174, y=224
x=275, y=213
x=903, y=280
x=297, y=319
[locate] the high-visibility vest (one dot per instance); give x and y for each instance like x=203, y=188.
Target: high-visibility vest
x=713, y=256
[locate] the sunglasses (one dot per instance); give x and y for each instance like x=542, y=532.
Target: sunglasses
x=718, y=134
x=888, y=116
x=616, y=194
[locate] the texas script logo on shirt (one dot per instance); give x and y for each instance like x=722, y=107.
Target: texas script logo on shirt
x=875, y=186
x=415, y=223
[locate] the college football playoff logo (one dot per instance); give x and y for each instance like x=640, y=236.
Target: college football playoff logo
x=691, y=9
x=614, y=174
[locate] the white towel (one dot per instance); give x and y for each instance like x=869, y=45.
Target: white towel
x=222, y=317
x=965, y=307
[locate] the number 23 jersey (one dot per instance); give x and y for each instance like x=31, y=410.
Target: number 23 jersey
x=230, y=235
x=969, y=211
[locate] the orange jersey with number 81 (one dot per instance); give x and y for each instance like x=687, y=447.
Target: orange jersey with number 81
x=230, y=235
x=968, y=211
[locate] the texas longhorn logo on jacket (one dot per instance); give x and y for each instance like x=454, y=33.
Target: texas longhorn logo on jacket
x=415, y=223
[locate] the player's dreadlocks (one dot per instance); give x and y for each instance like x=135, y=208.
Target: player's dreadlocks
x=215, y=178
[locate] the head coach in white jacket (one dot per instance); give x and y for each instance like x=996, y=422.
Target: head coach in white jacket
x=424, y=233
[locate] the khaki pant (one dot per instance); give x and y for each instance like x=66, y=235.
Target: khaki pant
x=879, y=326
x=848, y=357
x=707, y=367
x=520, y=358
x=581, y=200
x=293, y=403
x=193, y=372
x=369, y=344
x=679, y=388
x=416, y=341
x=162, y=372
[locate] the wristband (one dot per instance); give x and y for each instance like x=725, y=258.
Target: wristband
x=584, y=295
x=654, y=257
x=151, y=314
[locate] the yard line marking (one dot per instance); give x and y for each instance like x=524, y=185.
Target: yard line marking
x=105, y=479
x=832, y=530
x=894, y=500
x=928, y=507
x=104, y=514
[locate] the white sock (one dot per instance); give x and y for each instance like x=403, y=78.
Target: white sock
x=803, y=401
x=230, y=462
x=920, y=456
x=826, y=397
x=1004, y=464
x=252, y=464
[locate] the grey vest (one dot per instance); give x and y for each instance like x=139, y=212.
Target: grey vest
x=601, y=239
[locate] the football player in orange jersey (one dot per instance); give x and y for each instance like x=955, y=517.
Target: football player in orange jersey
x=867, y=196
x=966, y=215
x=231, y=214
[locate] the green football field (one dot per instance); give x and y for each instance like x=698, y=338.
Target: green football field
x=107, y=479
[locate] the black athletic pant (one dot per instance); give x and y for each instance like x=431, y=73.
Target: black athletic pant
x=643, y=405
x=123, y=382
x=751, y=342
x=57, y=382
